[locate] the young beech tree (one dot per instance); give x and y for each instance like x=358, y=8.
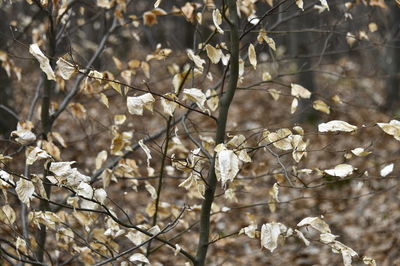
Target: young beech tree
x=133, y=148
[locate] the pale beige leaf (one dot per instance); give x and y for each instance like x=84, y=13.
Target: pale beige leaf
x=151, y=190
x=43, y=61
x=84, y=190
x=270, y=42
x=300, y=4
x=269, y=235
x=65, y=68
x=350, y=38
x=316, y=223
x=100, y=159
x=321, y=106
x=23, y=134
x=250, y=230
x=392, y=128
x=196, y=96
x=275, y=94
x=119, y=119
x=100, y=195
x=372, y=27
x=369, y=261
x=137, y=104
x=36, y=154
x=9, y=213
x=299, y=91
x=340, y=170
x=281, y=139
x=104, y=99
x=157, y=3
x=227, y=165
x=360, y=152
x=20, y=245
x=198, y=61
x=25, y=190
x=138, y=259
x=266, y=76
x=293, y=106
x=168, y=105
x=386, y=170
x=217, y=19
x=213, y=53
x=252, y=56
x=336, y=125
x=146, y=150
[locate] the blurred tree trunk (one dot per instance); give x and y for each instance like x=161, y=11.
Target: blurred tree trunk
x=392, y=61
x=299, y=48
x=7, y=120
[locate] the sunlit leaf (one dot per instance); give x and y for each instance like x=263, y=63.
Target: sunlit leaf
x=227, y=165
x=25, y=190
x=137, y=104
x=316, y=223
x=43, y=61
x=217, y=19
x=138, y=258
x=321, y=106
x=146, y=150
x=196, y=96
x=392, y=128
x=252, y=56
x=386, y=170
x=213, y=53
x=299, y=91
x=340, y=170
x=336, y=125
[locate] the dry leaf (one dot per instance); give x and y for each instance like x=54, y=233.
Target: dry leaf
x=321, y=106
x=336, y=125
x=43, y=61
x=252, y=56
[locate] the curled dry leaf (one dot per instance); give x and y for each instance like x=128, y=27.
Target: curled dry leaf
x=252, y=56
x=25, y=190
x=299, y=91
x=217, y=19
x=100, y=159
x=336, y=125
x=213, y=53
x=137, y=257
x=392, y=128
x=43, y=61
x=137, y=104
x=226, y=165
x=65, y=68
x=321, y=106
x=36, y=154
x=168, y=105
x=360, y=152
x=250, y=230
x=146, y=150
x=196, y=96
x=316, y=223
x=270, y=233
x=340, y=170
x=23, y=134
x=300, y=4
x=293, y=106
x=198, y=61
x=100, y=195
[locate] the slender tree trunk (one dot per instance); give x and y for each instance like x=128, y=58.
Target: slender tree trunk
x=225, y=102
x=392, y=61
